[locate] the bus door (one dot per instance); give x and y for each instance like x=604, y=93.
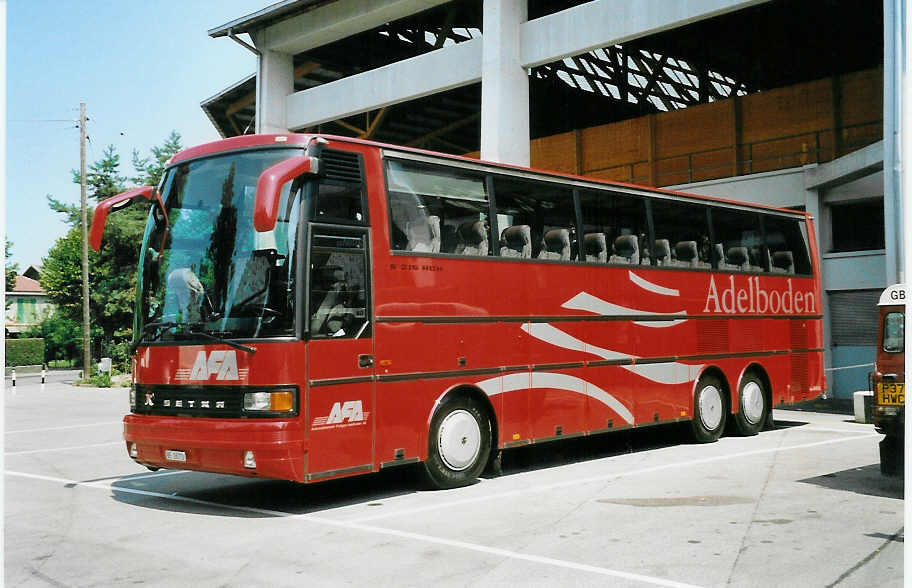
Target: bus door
x=340, y=397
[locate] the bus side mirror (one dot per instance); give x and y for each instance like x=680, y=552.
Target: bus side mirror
x=269, y=188
x=119, y=202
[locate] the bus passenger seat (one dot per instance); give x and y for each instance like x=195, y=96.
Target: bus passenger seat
x=736, y=259
x=755, y=256
x=556, y=245
x=662, y=252
x=626, y=250
x=686, y=254
x=449, y=239
x=474, y=238
x=783, y=262
x=516, y=241
x=596, y=247
x=423, y=236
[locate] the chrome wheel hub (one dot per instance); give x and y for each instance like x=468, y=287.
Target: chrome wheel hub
x=459, y=440
x=711, y=407
x=752, y=402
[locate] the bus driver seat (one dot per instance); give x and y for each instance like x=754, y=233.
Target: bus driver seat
x=333, y=304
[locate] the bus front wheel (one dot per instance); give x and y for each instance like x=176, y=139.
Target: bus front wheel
x=709, y=410
x=752, y=406
x=459, y=443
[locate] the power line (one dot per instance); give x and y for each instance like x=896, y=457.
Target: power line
x=72, y=120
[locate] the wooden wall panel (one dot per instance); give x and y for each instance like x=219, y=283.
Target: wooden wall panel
x=776, y=129
x=862, y=97
x=698, y=128
x=786, y=112
x=555, y=153
x=615, y=144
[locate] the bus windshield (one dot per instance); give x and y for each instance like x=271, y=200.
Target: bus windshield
x=207, y=272
x=893, y=332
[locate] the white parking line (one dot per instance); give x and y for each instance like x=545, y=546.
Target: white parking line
x=72, y=448
x=560, y=563
x=63, y=428
x=602, y=478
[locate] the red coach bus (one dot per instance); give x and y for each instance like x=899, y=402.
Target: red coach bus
x=314, y=307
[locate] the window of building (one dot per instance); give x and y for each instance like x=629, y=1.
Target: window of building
x=858, y=226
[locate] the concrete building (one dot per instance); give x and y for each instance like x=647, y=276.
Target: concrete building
x=790, y=104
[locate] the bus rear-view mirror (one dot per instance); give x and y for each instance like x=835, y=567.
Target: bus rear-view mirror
x=119, y=202
x=269, y=188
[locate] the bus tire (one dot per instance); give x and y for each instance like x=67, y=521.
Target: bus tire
x=752, y=406
x=459, y=443
x=709, y=410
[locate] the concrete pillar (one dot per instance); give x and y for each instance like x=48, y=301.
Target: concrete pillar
x=893, y=11
x=813, y=207
x=275, y=82
x=504, y=84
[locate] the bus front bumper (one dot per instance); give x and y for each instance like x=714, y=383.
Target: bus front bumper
x=246, y=447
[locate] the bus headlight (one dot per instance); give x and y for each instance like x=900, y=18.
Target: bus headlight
x=271, y=402
x=133, y=397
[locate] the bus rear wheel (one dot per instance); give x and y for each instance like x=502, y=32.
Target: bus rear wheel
x=459, y=443
x=752, y=406
x=709, y=410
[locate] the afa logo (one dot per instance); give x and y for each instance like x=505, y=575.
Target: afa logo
x=343, y=414
x=221, y=364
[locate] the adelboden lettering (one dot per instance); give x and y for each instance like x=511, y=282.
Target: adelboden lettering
x=755, y=299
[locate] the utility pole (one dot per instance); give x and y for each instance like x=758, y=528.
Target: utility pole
x=86, y=351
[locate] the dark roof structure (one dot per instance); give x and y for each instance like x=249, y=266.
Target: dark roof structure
x=771, y=45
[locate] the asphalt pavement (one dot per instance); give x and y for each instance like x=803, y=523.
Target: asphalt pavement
x=801, y=505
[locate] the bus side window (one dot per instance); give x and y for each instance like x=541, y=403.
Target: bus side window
x=738, y=241
x=686, y=229
x=608, y=216
x=527, y=211
x=428, y=204
x=786, y=241
x=339, y=299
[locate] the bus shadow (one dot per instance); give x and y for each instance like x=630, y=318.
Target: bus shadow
x=236, y=496
x=865, y=480
x=592, y=447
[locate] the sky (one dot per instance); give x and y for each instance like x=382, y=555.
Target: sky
x=141, y=66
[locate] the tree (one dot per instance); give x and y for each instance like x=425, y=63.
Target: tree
x=150, y=169
x=112, y=271
x=12, y=269
x=62, y=336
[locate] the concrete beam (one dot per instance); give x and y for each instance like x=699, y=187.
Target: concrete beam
x=847, y=168
x=609, y=22
x=334, y=21
x=437, y=71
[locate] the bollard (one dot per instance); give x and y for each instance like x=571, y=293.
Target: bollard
x=14, y=378
x=43, y=373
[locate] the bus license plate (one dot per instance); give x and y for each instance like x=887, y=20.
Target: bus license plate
x=891, y=394
x=174, y=455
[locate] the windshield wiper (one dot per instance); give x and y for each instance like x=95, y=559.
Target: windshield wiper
x=148, y=327
x=196, y=331
x=191, y=328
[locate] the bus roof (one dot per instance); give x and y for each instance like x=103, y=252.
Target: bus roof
x=302, y=140
x=895, y=295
